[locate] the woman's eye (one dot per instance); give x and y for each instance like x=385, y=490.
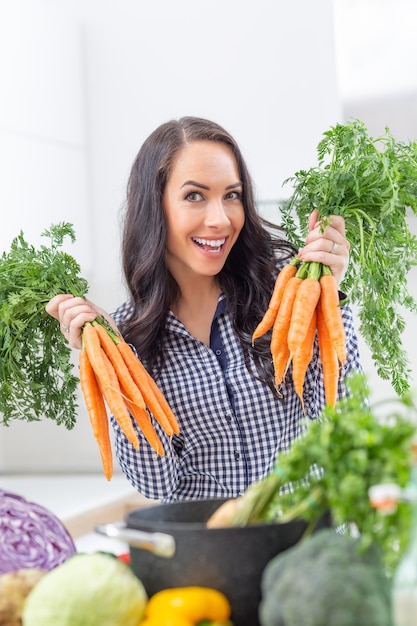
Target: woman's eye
x=234, y=195
x=193, y=196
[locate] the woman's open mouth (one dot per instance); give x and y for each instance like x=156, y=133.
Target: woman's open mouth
x=209, y=245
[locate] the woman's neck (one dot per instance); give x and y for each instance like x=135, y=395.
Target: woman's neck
x=196, y=306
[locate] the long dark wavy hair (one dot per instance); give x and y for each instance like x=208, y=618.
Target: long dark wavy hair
x=247, y=278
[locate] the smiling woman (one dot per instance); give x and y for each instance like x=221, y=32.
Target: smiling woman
x=200, y=265
x=204, y=214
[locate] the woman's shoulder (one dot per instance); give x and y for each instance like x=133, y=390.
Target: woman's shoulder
x=123, y=312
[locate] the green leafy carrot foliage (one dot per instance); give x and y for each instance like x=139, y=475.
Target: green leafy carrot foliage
x=372, y=183
x=36, y=373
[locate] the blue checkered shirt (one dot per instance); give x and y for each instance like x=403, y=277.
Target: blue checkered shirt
x=232, y=425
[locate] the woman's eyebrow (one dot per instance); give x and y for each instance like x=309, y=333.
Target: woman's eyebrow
x=194, y=184
x=201, y=186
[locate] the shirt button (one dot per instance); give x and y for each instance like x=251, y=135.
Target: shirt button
x=237, y=455
x=218, y=352
x=229, y=418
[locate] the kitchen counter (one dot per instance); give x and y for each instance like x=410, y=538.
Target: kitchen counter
x=80, y=501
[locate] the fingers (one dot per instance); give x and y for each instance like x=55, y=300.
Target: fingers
x=331, y=240
x=336, y=222
x=72, y=313
x=313, y=220
x=329, y=247
x=53, y=305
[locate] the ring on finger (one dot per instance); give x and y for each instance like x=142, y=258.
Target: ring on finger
x=334, y=248
x=65, y=329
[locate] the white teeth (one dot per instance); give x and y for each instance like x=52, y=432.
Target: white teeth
x=216, y=243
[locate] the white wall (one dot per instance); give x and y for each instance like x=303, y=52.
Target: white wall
x=376, y=51
x=42, y=125
x=82, y=83
x=43, y=180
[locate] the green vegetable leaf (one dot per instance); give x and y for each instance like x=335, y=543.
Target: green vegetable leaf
x=354, y=446
x=372, y=183
x=36, y=373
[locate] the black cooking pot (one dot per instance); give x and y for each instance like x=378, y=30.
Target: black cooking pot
x=228, y=559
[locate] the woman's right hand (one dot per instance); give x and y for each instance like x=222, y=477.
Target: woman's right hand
x=72, y=313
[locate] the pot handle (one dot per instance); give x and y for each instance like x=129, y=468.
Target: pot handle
x=160, y=544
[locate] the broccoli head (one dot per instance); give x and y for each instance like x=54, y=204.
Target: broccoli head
x=326, y=580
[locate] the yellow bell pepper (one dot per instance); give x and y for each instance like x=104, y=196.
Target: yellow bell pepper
x=175, y=620
x=187, y=606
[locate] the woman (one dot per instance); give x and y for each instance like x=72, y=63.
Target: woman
x=200, y=265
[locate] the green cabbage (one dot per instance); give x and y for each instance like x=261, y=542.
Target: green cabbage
x=87, y=590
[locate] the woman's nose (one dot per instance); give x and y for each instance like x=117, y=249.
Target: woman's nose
x=216, y=214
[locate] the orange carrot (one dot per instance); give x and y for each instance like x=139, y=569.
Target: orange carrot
x=304, y=306
x=281, y=360
x=113, y=394
x=282, y=321
x=328, y=357
x=143, y=420
x=287, y=272
x=130, y=389
x=151, y=393
x=333, y=315
x=109, y=383
x=302, y=357
x=97, y=412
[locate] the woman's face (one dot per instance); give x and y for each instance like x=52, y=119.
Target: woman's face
x=203, y=206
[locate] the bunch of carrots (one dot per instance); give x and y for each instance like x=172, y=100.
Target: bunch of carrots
x=112, y=375
x=305, y=301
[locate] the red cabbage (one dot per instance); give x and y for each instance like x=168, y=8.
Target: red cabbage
x=30, y=535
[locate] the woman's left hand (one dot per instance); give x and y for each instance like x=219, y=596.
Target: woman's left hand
x=329, y=247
